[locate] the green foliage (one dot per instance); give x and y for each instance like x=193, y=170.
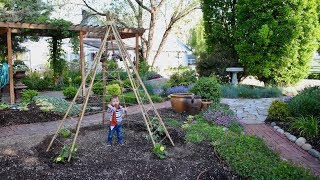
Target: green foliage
x=245, y=91
x=159, y=150
x=172, y=123
x=130, y=98
x=207, y=88
x=23, y=106
x=216, y=63
x=70, y=92
x=196, y=39
x=27, y=95
x=78, y=80
x=306, y=103
x=278, y=111
x=244, y=153
x=308, y=127
x=219, y=24
x=34, y=80
x=65, y=153
x=54, y=104
x=314, y=76
x=186, y=77
x=65, y=133
x=277, y=39
x=57, y=61
x=113, y=89
x=143, y=67
x=97, y=88
x=29, y=11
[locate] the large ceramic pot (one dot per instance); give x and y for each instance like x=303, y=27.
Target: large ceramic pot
x=185, y=102
x=206, y=103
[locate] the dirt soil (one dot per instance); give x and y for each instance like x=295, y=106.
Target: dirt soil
x=134, y=160
x=10, y=117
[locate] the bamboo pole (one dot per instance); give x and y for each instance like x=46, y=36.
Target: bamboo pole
x=137, y=52
x=133, y=85
x=104, y=85
x=144, y=88
x=97, y=58
x=68, y=110
x=10, y=62
x=82, y=63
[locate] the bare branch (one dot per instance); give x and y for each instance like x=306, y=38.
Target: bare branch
x=98, y=13
x=133, y=8
x=161, y=3
x=143, y=6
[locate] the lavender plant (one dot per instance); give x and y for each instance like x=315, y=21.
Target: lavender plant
x=221, y=116
x=179, y=89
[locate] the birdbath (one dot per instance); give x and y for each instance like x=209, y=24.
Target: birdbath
x=234, y=71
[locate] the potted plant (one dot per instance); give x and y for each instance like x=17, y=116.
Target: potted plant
x=19, y=69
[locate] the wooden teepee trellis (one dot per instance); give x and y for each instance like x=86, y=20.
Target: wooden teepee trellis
x=149, y=113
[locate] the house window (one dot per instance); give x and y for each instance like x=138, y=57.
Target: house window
x=191, y=61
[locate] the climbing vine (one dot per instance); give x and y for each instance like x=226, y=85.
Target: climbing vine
x=57, y=61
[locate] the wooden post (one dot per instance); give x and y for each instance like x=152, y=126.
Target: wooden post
x=82, y=63
x=137, y=52
x=10, y=61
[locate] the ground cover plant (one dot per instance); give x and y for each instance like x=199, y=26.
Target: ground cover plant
x=133, y=161
x=244, y=153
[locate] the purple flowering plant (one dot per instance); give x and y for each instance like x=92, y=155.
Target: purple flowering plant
x=220, y=115
x=179, y=89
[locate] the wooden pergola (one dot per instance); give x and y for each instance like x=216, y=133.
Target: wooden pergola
x=48, y=30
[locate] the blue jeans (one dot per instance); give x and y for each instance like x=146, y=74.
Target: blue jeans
x=118, y=129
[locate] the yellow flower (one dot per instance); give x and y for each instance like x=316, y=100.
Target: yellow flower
x=161, y=148
x=59, y=158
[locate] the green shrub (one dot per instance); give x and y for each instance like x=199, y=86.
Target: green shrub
x=314, y=76
x=114, y=89
x=143, y=67
x=33, y=80
x=308, y=127
x=306, y=103
x=77, y=81
x=27, y=95
x=97, y=88
x=115, y=82
x=278, y=110
x=70, y=92
x=207, y=88
x=184, y=78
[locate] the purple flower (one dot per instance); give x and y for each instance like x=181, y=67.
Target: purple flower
x=179, y=89
x=220, y=117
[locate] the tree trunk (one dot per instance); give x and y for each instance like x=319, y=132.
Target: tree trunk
x=163, y=41
x=151, y=32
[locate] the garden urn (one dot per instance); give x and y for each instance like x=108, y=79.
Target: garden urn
x=205, y=103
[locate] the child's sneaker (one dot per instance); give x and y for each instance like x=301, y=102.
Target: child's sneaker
x=122, y=144
x=108, y=144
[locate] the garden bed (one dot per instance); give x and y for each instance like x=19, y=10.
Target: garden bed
x=315, y=143
x=10, y=116
x=135, y=160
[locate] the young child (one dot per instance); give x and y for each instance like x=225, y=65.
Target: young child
x=115, y=120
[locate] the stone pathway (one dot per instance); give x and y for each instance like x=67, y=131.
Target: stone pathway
x=250, y=111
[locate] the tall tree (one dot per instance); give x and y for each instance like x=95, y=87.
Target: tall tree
x=152, y=13
x=196, y=39
x=277, y=38
x=220, y=24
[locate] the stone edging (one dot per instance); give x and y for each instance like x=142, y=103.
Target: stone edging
x=301, y=141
